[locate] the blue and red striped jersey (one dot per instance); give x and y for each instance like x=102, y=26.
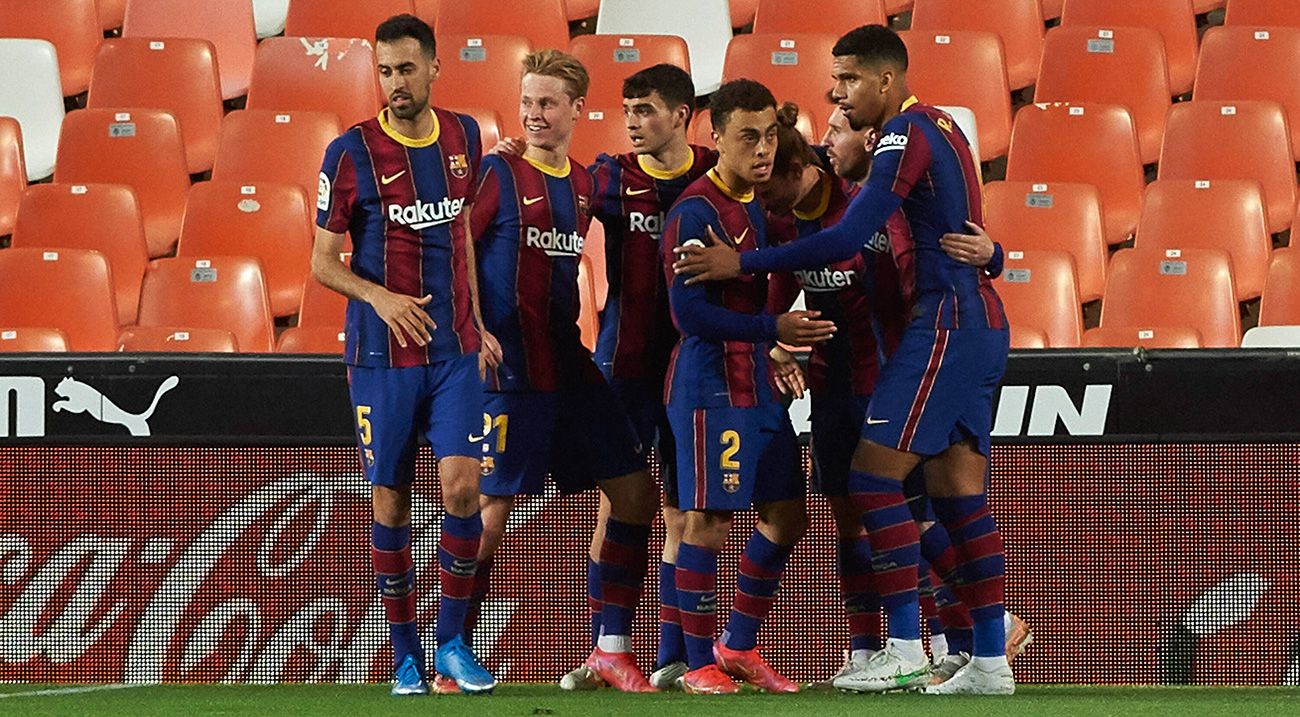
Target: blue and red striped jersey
x=529, y=223
x=401, y=200
x=636, y=332
x=721, y=358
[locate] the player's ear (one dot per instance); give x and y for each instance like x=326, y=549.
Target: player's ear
x=681, y=116
x=434, y=68
x=579, y=104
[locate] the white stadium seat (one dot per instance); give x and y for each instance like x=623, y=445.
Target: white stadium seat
x=269, y=15
x=704, y=24
x=30, y=91
x=1272, y=337
x=965, y=119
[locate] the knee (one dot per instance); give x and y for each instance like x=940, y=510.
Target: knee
x=784, y=524
x=707, y=530
x=459, y=477
x=848, y=520
x=633, y=498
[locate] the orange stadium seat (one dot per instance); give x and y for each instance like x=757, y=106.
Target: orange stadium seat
x=831, y=17
x=1263, y=13
x=1204, y=6
x=268, y=221
x=66, y=289
x=427, y=10
x=1080, y=64
x=276, y=147
x=230, y=28
x=1025, y=337
x=609, y=60
x=1054, y=217
x=489, y=125
x=340, y=18
x=216, y=292
x=742, y=12
x=1039, y=291
x=322, y=307
x=1052, y=8
x=99, y=217
x=701, y=129
x=1018, y=22
x=13, y=173
x=1234, y=140
x=796, y=68
x=138, y=148
x=965, y=69
x=326, y=75
x=588, y=321
x=72, y=26
x=1147, y=338
x=593, y=247
x=175, y=75
x=1173, y=288
x=111, y=13
x=311, y=340
x=22, y=340
x=1221, y=214
x=1175, y=20
x=599, y=130
x=467, y=59
x=897, y=7
x=169, y=339
x=1246, y=63
x=1085, y=144
x=575, y=10
x=543, y=22
x=1281, y=303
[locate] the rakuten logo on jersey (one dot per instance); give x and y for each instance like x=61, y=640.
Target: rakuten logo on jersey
x=892, y=142
x=826, y=281
x=423, y=215
x=554, y=242
x=652, y=224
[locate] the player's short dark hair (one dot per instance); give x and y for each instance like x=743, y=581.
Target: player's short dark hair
x=872, y=45
x=743, y=94
x=406, y=25
x=670, y=81
x=790, y=142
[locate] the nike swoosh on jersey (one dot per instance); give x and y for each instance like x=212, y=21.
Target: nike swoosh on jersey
x=877, y=421
x=635, y=192
x=389, y=180
x=736, y=241
x=530, y=201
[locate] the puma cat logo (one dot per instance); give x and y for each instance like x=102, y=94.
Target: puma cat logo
x=79, y=397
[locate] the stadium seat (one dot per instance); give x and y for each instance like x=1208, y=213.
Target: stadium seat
x=467, y=59
x=427, y=10
x=1085, y=144
x=543, y=22
x=966, y=69
x=169, y=339
x=1147, y=338
x=705, y=25
x=276, y=147
x=1260, y=337
x=1051, y=8
x=311, y=340
x=175, y=75
x=796, y=68
x=965, y=120
x=1052, y=217
x=1039, y=291
x=230, y=28
x=588, y=321
x=743, y=11
x=1204, y=6
x=141, y=149
x=72, y=26
x=1018, y=22
x=66, y=289
x=270, y=15
x=575, y=10
x=340, y=18
x=326, y=75
x=599, y=130
x=111, y=13
x=216, y=292
x=1175, y=20
x=322, y=306
x=897, y=7
x=269, y=221
x=593, y=247
x=23, y=340
x=30, y=93
x=1263, y=13
x=13, y=173
x=1246, y=63
x=99, y=217
x=1281, y=303
x=1173, y=288
x=830, y=17
x=1234, y=140
x=1024, y=337
x=489, y=125
x=1080, y=64
x=1221, y=214
x=609, y=59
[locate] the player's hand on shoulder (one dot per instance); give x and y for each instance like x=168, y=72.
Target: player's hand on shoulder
x=803, y=328
x=509, y=146
x=715, y=262
x=405, y=315
x=789, y=375
x=489, y=354
x=975, y=249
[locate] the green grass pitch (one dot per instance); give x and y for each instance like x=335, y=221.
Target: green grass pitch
x=533, y=700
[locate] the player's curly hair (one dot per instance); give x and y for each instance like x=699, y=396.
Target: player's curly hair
x=790, y=142
x=744, y=94
x=553, y=63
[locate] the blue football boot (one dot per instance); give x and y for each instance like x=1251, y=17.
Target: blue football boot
x=409, y=679
x=456, y=661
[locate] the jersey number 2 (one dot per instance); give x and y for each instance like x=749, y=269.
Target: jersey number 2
x=731, y=440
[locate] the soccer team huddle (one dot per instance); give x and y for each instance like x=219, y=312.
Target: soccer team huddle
x=462, y=326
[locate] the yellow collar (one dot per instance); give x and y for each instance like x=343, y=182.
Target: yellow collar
x=721, y=185
x=908, y=103
x=403, y=139
x=670, y=174
x=557, y=172
x=822, y=205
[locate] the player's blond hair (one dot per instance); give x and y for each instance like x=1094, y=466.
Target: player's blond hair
x=553, y=63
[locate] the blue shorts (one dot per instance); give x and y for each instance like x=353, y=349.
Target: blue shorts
x=580, y=436
x=937, y=390
x=643, y=401
x=731, y=458
x=391, y=407
x=836, y=429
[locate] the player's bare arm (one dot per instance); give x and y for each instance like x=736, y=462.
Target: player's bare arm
x=975, y=249
x=489, y=352
x=803, y=328
x=405, y=315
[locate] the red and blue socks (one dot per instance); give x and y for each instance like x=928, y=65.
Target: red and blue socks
x=623, y=557
x=937, y=550
x=697, y=602
x=672, y=644
x=479, y=592
x=593, y=598
x=895, y=550
x=978, y=544
x=390, y=555
x=861, y=601
x=457, y=565
x=757, y=581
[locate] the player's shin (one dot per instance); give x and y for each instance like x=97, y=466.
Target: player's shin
x=895, y=553
x=697, y=601
x=458, y=548
x=390, y=555
x=861, y=601
x=757, y=582
x=978, y=543
x=672, y=647
x=623, y=557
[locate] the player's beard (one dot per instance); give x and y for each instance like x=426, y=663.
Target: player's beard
x=412, y=110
